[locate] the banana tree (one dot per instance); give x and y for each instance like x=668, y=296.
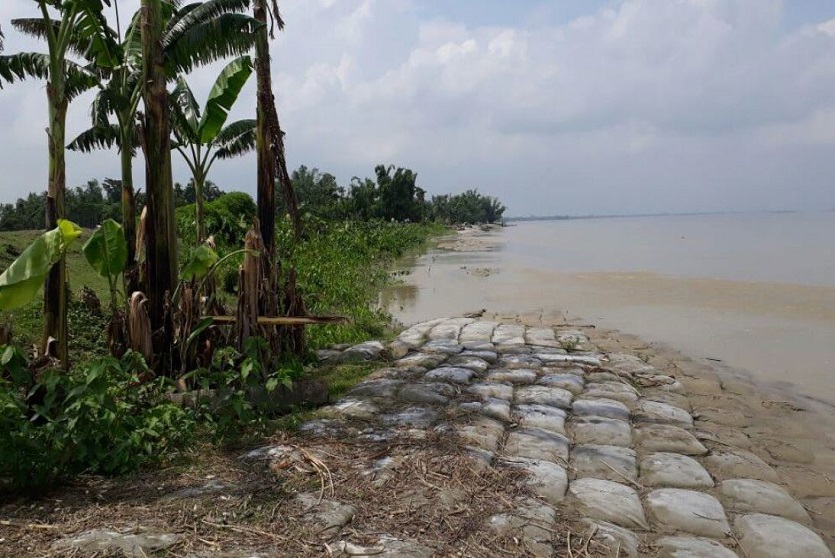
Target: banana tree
x=25, y=276
x=78, y=28
x=107, y=253
x=272, y=166
x=191, y=35
x=119, y=97
x=161, y=247
x=200, y=136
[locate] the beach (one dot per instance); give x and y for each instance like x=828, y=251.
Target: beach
x=752, y=292
x=777, y=407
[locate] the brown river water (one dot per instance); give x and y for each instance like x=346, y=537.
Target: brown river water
x=754, y=292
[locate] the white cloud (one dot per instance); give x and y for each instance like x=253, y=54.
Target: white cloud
x=644, y=105
x=827, y=27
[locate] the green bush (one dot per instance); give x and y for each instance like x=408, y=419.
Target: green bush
x=227, y=388
x=101, y=419
x=227, y=218
x=239, y=204
x=341, y=268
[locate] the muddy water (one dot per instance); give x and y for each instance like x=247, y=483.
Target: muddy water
x=755, y=292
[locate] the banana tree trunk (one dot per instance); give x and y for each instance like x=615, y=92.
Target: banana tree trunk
x=266, y=160
x=272, y=168
x=55, y=289
x=161, y=242
x=131, y=274
x=199, y=182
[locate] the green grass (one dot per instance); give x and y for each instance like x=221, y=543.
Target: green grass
x=342, y=377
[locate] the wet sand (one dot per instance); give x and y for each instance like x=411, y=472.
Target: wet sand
x=782, y=333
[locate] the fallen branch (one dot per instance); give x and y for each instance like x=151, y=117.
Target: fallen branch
x=242, y=529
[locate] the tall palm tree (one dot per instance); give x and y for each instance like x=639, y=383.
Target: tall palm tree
x=200, y=136
x=272, y=169
x=187, y=46
x=272, y=166
x=80, y=28
x=161, y=247
x=192, y=35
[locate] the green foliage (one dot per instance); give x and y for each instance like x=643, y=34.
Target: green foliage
x=199, y=135
x=394, y=196
x=193, y=126
x=199, y=264
x=107, y=250
x=228, y=218
x=87, y=330
x=185, y=195
x=236, y=139
x=229, y=383
x=342, y=266
x=204, y=32
x=107, y=253
x=318, y=193
x=86, y=205
x=223, y=95
x=237, y=204
x=342, y=377
x=101, y=419
x=24, y=65
x=469, y=207
x=400, y=198
x=24, y=277
x=102, y=136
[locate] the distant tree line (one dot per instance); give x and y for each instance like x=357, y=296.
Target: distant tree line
x=90, y=204
x=392, y=195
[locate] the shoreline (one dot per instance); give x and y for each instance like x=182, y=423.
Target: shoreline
x=778, y=330
x=474, y=240
x=488, y=436
x=789, y=430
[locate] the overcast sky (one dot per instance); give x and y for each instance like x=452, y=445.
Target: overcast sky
x=556, y=107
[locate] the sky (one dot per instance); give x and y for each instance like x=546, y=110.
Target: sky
x=556, y=107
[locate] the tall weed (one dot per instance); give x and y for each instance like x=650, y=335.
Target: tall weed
x=342, y=266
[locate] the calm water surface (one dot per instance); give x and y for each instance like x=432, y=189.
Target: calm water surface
x=782, y=248
x=754, y=291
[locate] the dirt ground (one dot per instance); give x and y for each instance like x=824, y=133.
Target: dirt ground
x=219, y=504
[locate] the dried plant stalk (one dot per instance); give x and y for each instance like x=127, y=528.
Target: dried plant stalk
x=248, y=283
x=140, y=334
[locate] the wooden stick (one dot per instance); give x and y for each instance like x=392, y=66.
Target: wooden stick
x=285, y=320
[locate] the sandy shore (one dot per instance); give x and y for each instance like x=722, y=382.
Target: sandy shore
x=793, y=432
x=782, y=332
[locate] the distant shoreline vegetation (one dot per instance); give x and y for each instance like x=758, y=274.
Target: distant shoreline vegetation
x=391, y=195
